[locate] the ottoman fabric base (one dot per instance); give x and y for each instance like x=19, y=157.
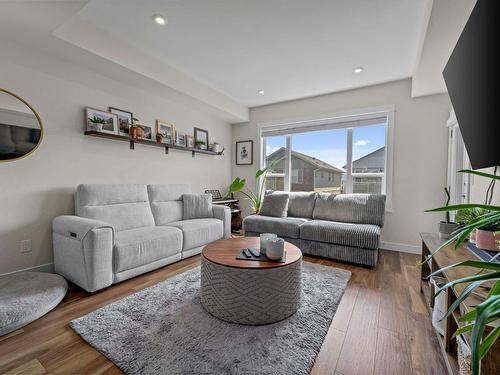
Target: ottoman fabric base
x=251, y=296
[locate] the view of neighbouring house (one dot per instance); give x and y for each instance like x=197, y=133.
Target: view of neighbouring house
x=307, y=173
x=370, y=169
x=311, y=174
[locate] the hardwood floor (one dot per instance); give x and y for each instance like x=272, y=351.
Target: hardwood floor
x=381, y=326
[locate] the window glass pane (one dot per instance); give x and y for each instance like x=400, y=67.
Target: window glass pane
x=371, y=185
x=368, y=157
x=276, y=152
x=368, y=149
x=318, y=159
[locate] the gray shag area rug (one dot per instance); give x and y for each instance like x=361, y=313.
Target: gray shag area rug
x=165, y=330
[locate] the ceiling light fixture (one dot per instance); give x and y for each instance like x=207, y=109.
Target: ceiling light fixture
x=359, y=69
x=159, y=19
x=260, y=92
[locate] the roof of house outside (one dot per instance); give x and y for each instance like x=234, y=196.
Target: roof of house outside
x=367, y=156
x=317, y=163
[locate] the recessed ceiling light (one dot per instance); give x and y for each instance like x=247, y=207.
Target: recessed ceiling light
x=260, y=92
x=359, y=69
x=159, y=19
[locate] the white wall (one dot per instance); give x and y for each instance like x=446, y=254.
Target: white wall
x=479, y=185
x=36, y=189
x=420, y=150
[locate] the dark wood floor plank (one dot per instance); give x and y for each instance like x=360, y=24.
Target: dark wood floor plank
x=392, y=354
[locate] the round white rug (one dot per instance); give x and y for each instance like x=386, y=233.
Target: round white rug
x=26, y=296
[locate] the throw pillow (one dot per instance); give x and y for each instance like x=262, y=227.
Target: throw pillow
x=196, y=206
x=275, y=205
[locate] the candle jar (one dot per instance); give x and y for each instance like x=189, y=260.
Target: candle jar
x=275, y=248
x=263, y=241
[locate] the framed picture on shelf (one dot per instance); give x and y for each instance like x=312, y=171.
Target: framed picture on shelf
x=201, y=138
x=180, y=138
x=124, y=120
x=148, y=132
x=189, y=141
x=244, y=153
x=166, y=129
x=101, y=121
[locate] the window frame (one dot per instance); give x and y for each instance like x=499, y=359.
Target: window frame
x=334, y=118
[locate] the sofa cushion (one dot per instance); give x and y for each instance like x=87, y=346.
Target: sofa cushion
x=196, y=206
x=300, y=204
x=140, y=246
x=166, y=202
x=275, y=205
x=123, y=206
x=199, y=232
x=351, y=208
x=357, y=235
x=282, y=226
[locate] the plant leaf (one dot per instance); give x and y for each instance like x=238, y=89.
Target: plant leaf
x=489, y=341
x=470, y=279
x=457, y=207
x=487, y=175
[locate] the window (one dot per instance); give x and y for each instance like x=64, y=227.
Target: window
x=348, y=154
x=297, y=176
x=275, y=152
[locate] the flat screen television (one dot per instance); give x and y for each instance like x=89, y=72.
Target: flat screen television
x=471, y=76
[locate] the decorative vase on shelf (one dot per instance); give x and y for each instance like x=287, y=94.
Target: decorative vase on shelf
x=159, y=137
x=136, y=132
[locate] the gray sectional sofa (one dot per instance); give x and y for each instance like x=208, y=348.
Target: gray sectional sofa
x=121, y=231
x=344, y=227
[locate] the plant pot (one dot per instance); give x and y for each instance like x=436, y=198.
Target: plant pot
x=98, y=127
x=487, y=240
x=136, y=132
x=446, y=229
x=159, y=138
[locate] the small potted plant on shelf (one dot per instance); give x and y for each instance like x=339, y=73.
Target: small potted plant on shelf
x=466, y=216
x=97, y=123
x=135, y=129
x=446, y=228
x=200, y=145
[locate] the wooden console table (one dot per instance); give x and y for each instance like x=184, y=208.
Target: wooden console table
x=449, y=255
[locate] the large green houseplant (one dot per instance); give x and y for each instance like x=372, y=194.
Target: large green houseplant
x=256, y=197
x=488, y=311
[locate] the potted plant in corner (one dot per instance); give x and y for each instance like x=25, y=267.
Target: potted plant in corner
x=486, y=313
x=256, y=197
x=446, y=228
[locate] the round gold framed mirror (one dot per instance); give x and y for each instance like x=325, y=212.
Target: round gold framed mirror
x=21, y=129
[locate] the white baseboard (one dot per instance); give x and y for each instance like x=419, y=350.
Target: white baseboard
x=49, y=268
x=401, y=247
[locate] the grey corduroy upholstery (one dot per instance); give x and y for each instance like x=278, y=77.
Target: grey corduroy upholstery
x=282, y=226
x=345, y=227
x=351, y=208
x=366, y=236
x=121, y=231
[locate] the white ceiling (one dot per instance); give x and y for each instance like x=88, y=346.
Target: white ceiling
x=289, y=48
x=216, y=54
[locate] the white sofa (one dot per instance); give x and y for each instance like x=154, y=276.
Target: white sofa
x=121, y=231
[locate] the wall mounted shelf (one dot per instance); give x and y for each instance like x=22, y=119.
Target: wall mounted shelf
x=133, y=141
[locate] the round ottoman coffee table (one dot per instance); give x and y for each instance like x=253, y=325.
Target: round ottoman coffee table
x=249, y=292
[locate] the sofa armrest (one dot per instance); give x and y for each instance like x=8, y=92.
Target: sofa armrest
x=83, y=251
x=223, y=213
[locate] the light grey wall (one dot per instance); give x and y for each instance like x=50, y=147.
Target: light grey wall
x=420, y=149
x=36, y=189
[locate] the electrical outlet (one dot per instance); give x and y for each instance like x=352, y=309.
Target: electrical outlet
x=25, y=246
